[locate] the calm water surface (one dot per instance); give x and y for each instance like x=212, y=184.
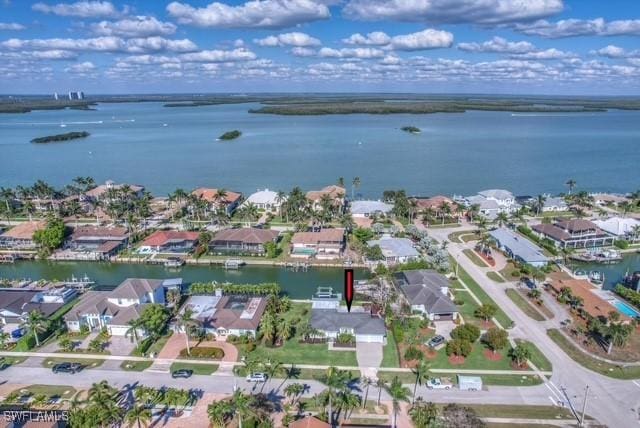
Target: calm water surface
x=613, y=274
x=455, y=153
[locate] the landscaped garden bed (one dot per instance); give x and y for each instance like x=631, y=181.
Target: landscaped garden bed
x=203, y=352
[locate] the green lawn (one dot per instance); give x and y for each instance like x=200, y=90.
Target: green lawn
x=390, y=356
x=476, y=360
x=524, y=305
x=585, y=360
x=502, y=318
x=468, y=308
x=525, y=379
x=302, y=353
x=475, y=258
x=494, y=276
x=537, y=357
x=135, y=366
x=465, y=236
x=520, y=412
x=7, y=362
x=62, y=391
x=87, y=363
x=199, y=369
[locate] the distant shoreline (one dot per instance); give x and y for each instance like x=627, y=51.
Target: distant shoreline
x=60, y=137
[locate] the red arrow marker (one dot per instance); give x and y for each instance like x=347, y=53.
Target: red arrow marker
x=348, y=288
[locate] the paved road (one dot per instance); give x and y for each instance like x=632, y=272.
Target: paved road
x=614, y=402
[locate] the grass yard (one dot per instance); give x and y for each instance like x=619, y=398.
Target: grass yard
x=199, y=369
x=501, y=317
x=475, y=258
x=494, y=276
x=537, y=357
x=468, y=308
x=509, y=270
x=606, y=369
x=135, y=366
x=302, y=353
x=6, y=362
x=464, y=236
x=474, y=361
x=390, y=356
x=50, y=391
x=520, y=412
x=524, y=305
x=495, y=380
x=87, y=363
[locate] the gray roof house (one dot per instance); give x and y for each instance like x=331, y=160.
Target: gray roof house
x=396, y=250
x=331, y=319
x=427, y=292
x=518, y=247
x=369, y=208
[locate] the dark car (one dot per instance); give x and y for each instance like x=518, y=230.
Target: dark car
x=182, y=373
x=67, y=368
x=436, y=341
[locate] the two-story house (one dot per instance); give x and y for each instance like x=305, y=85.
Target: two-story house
x=219, y=198
x=324, y=244
x=576, y=233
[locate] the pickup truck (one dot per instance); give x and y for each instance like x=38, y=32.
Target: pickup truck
x=437, y=383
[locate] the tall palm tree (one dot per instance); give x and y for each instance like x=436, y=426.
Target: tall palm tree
x=571, y=184
x=540, y=200
x=36, y=323
x=366, y=382
x=340, y=181
x=218, y=412
x=502, y=218
x=242, y=405
x=135, y=325
x=185, y=321
x=293, y=390
x=398, y=393
x=138, y=415
x=336, y=380
x=380, y=384
x=422, y=375
x=354, y=185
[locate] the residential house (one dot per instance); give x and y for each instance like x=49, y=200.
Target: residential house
x=554, y=204
x=114, y=309
x=331, y=320
x=604, y=199
x=435, y=204
x=335, y=193
x=366, y=209
x=577, y=233
x=427, y=292
x=243, y=240
x=493, y=202
x=20, y=237
x=621, y=228
x=230, y=201
x=224, y=315
x=395, y=250
x=324, y=244
x=266, y=199
x=518, y=247
x=101, y=192
x=97, y=242
x=16, y=304
x=309, y=422
x=169, y=241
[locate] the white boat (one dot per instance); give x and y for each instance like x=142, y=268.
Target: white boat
x=174, y=262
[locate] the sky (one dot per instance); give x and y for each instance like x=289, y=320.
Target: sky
x=560, y=47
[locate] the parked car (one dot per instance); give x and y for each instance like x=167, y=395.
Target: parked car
x=67, y=368
x=257, y=377
x=17, y=333
x=182, y=373
x=438, y=383
x=436, y=341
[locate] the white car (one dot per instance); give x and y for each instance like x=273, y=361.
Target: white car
x=257, y=377
x=438, y=383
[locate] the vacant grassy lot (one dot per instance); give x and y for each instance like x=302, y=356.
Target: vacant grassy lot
x=606, y=369
x=199, y=369
x=524, y=305
x=135, y=366
x=87, y=363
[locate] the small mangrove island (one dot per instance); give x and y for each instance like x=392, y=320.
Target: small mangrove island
x=61, y=137
x=411, y=129
x=230, y=135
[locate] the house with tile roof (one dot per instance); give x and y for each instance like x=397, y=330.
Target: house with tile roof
x=245, y=240
x=325, y=244
x=20, y=237
x=335, y=193
x=309, y=421
x=266, y=200
x=427, y=292
x=96, y=242
x=114, y=309
x=169, y=241
x=101, y=192
x=576, y=233
x=230, y=201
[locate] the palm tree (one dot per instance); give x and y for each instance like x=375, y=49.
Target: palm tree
x=540, y=200
x=502, y=218
x=366, y=382
x=380, y=384
x=340, y=181
x=36, y=323
x=336, y=380
x=218, y=412
x=292, y=391
x=185, y=321
x=422, y=375
x=354, y=185
x=242, y=405
x=571, y=184
x=423, y=414
x=135, y=325
x=398, y=393
x=281, y=197
x=138, y=415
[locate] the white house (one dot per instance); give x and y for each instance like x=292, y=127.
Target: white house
x=492, y=202
x=395, y=250
x=362, y=209
x=622, y=228
x=266, y=199
x=554, y=204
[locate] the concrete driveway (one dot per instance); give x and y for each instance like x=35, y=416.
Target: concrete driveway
x=444, y=328
x=369, y=354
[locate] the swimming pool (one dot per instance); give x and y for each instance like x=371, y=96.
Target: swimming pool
x=625, y=309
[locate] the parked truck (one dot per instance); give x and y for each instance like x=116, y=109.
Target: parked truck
x=439, y=383
x=469, y=383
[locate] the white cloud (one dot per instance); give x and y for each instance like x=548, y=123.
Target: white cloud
x=426, y=39
x=546, y=54
x=375, y=38
x=150, y=59
x=580, y=27
x=139, y=26
x=360, y=53
x=391, y=60
x=82, y=68
x=303, y=52
x=288, y=39
x=11, y=26
x=252, y=14
x=51, y=55
x=612, y=51
x=218, y=55
x=484, y=12
x=103, y=44
x=498, y=45
x=81, y=9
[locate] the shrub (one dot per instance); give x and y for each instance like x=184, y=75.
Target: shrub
x=412, y=353
x=458, y=347
x=621, y=243
x=251, y=347
x=203, y=352
x=467, y=332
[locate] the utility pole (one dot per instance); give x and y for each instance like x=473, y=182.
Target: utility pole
x=584, y=405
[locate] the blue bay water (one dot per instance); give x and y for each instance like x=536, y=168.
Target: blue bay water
x=455, y=153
